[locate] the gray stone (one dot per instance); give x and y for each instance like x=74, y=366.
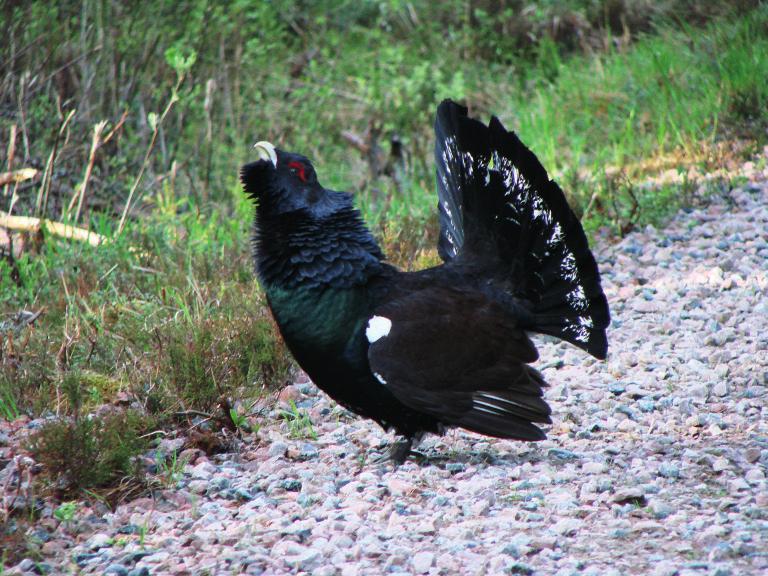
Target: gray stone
x=170, y=446
x=197, y=486
x=98, y=541
x=277, y=449
x=26, y=565
x=308, y=451
x=661, y=509
x=567, y=526
x=669, y=470
x=754, y=476
x=633, y=495
x=720, y=389
x=305, y=559
x=422, y=562
x=560, y=454
x=593, y=467
x=203, y=471
x=752, y=455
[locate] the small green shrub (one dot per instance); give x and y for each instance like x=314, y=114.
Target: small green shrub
x=92, y=452
x=299, y=423
x=65, y=512
x=224, y=353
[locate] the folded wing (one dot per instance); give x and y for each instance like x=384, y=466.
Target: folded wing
x=457, y=356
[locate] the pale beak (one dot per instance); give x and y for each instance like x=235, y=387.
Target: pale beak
x=266, y=151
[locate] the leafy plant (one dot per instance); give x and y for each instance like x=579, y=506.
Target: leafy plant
x=170, y=468
x=299, y=423
x=239, y=420
x=65, y=512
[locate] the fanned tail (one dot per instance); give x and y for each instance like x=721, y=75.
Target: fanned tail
x=497, y=205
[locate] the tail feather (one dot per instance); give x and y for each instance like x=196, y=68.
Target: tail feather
x=498, y=205
x=501, y=426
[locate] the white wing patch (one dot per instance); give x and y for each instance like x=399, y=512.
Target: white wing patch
x=380, y=378
x=378, y=327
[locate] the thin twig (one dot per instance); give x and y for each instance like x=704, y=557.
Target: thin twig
x=145, y=163
x=107, y=273
x=45, y=185
x=154, y=433
x=185, y=413
x=23, y=114
x=81, y=192
x=11, y=153
x=117, y=127
x=589, y=206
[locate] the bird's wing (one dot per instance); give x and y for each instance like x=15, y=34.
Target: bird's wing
x=457, y=356
x=500, y=211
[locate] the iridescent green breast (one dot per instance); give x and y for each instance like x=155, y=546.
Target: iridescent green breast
x=318, y=321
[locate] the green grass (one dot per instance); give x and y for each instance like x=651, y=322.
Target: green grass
x=170, y=468
x=299, y=423
x=180, y=325
x=670, y=97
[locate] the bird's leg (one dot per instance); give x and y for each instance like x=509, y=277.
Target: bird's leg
x=399, y=451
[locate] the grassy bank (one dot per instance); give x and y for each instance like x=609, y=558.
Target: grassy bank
x=164, y=317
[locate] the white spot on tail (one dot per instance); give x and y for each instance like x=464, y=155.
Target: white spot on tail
x=380, y=378
x=378, y=327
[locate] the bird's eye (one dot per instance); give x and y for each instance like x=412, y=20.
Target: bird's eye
x=298, y=169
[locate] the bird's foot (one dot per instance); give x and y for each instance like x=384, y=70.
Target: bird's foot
x=397, y=454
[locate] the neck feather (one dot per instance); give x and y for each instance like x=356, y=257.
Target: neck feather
x=298, y=249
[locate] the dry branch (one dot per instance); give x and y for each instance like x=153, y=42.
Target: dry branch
x=31, y=224
x=16, y=176
x=79, y=195
x=11, y=154
x=117, y=127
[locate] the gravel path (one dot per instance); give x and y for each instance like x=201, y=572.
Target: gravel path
x=656, y=463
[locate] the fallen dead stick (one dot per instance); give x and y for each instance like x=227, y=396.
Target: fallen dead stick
x=30, y=224
x=17, y=175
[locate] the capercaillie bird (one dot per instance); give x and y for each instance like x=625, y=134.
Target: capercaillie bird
x=442, y=347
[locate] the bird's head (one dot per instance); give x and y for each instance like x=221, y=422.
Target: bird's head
x=281, y=182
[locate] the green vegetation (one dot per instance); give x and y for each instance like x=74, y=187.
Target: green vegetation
x=65, y=512
x=86, y=453
x=299, y=423
x=137, y=120
x=170, y=468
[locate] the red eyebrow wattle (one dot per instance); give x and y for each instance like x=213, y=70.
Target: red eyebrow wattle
x=299, y=167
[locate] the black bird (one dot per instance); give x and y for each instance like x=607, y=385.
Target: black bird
x=447, y=346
